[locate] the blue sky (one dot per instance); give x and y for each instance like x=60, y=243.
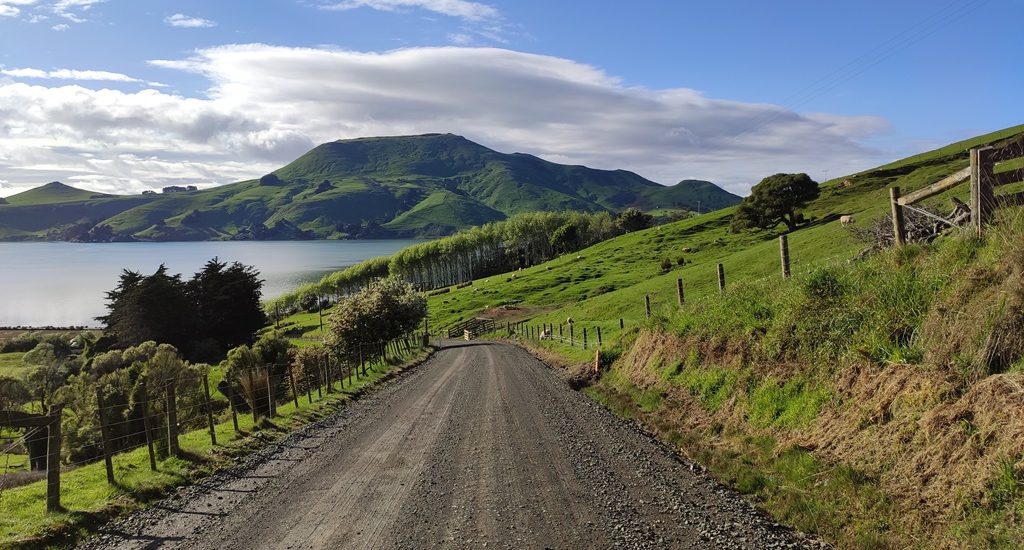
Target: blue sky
x=122, y=96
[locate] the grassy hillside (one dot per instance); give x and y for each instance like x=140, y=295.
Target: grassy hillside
x=369, y=187
x=53, y=193
x=875, y=402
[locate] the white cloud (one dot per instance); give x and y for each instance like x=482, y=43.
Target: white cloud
x=73, y=10
x=459, y=38
x=269, y=104
x=182, y=20
x=470, y=11
x=73, y=74
x=61, y=27
x=9, y=8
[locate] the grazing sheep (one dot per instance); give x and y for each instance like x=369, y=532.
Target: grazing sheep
x=846, y=220
x=569, y=320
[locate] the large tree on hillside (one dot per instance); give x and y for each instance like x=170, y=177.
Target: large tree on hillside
x=633, y=219
x=218, y=309
x=154, y=307
x=776, y=199
x=227, y=300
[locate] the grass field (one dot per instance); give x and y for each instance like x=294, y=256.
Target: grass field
x=12, y=365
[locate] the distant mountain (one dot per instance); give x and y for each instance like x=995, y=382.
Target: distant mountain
x=369, y=187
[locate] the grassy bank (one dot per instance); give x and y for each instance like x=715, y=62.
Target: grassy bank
x=88, y=499
x=876, y=403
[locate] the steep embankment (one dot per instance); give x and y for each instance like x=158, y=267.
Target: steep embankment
x=369, y=187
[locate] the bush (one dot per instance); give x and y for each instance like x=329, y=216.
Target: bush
x=666, y=265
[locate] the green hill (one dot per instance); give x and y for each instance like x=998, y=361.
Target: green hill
x=368, y=187
x=874, y=401
x=53, y=193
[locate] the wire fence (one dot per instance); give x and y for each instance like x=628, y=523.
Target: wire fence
x=118, y=414
x=593, y=333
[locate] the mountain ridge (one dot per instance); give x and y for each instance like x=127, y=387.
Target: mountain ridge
x=392, y=186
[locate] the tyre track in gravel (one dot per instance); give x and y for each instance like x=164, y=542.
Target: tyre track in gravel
x=482, y=445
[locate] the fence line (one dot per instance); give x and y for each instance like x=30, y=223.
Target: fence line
x=151, y=414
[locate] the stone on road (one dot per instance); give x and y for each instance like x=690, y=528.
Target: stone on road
x=481, y=446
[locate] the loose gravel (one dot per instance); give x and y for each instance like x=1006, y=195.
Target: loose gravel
x=481, y=446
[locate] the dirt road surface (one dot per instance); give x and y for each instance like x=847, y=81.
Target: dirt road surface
x=481, y=446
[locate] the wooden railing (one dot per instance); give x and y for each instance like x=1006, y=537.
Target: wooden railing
x=983, y=179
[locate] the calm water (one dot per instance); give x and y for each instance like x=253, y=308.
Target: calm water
x=64, y=283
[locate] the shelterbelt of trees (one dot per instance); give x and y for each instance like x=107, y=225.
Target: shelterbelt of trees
x=520, y=241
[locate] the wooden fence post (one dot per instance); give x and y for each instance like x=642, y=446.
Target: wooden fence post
x=231, y=405
x=105, y=437
x=572, y=338
x=559, y=331
x=584, y=337
x=252, y=388
x=647, y=304
x=295, y=394
x=309, y=387
x=270, y=394
x=598, y=336
x=784, y=255
x=679, y=291
x=899, y=230
x=721, y=279
x=209, y=410
x=172, y=421
x=982, y=188
x=53, y=461
x=146, y=426
x=622, y=325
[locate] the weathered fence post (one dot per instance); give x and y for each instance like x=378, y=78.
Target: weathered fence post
x=983, y=200
x=572, y=339
x=622, y=324
x=105, y=435
x=784, y=255
x=252, y=389
x=209, y=410
x=598, y=336
x=270, y=394
x=647, y=305
x=309, y=387
x=231, y=405
x=899, y=230
x=584, y=337
x=53, y=461
x=146, y=426
x=172, y=421
x=721, y=279
x=559, y=332
x=679, y=291
x=295, y=393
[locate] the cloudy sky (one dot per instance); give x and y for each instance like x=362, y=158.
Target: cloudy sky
x=123, y=96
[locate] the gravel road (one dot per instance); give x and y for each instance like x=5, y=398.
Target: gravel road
x=481, y=446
